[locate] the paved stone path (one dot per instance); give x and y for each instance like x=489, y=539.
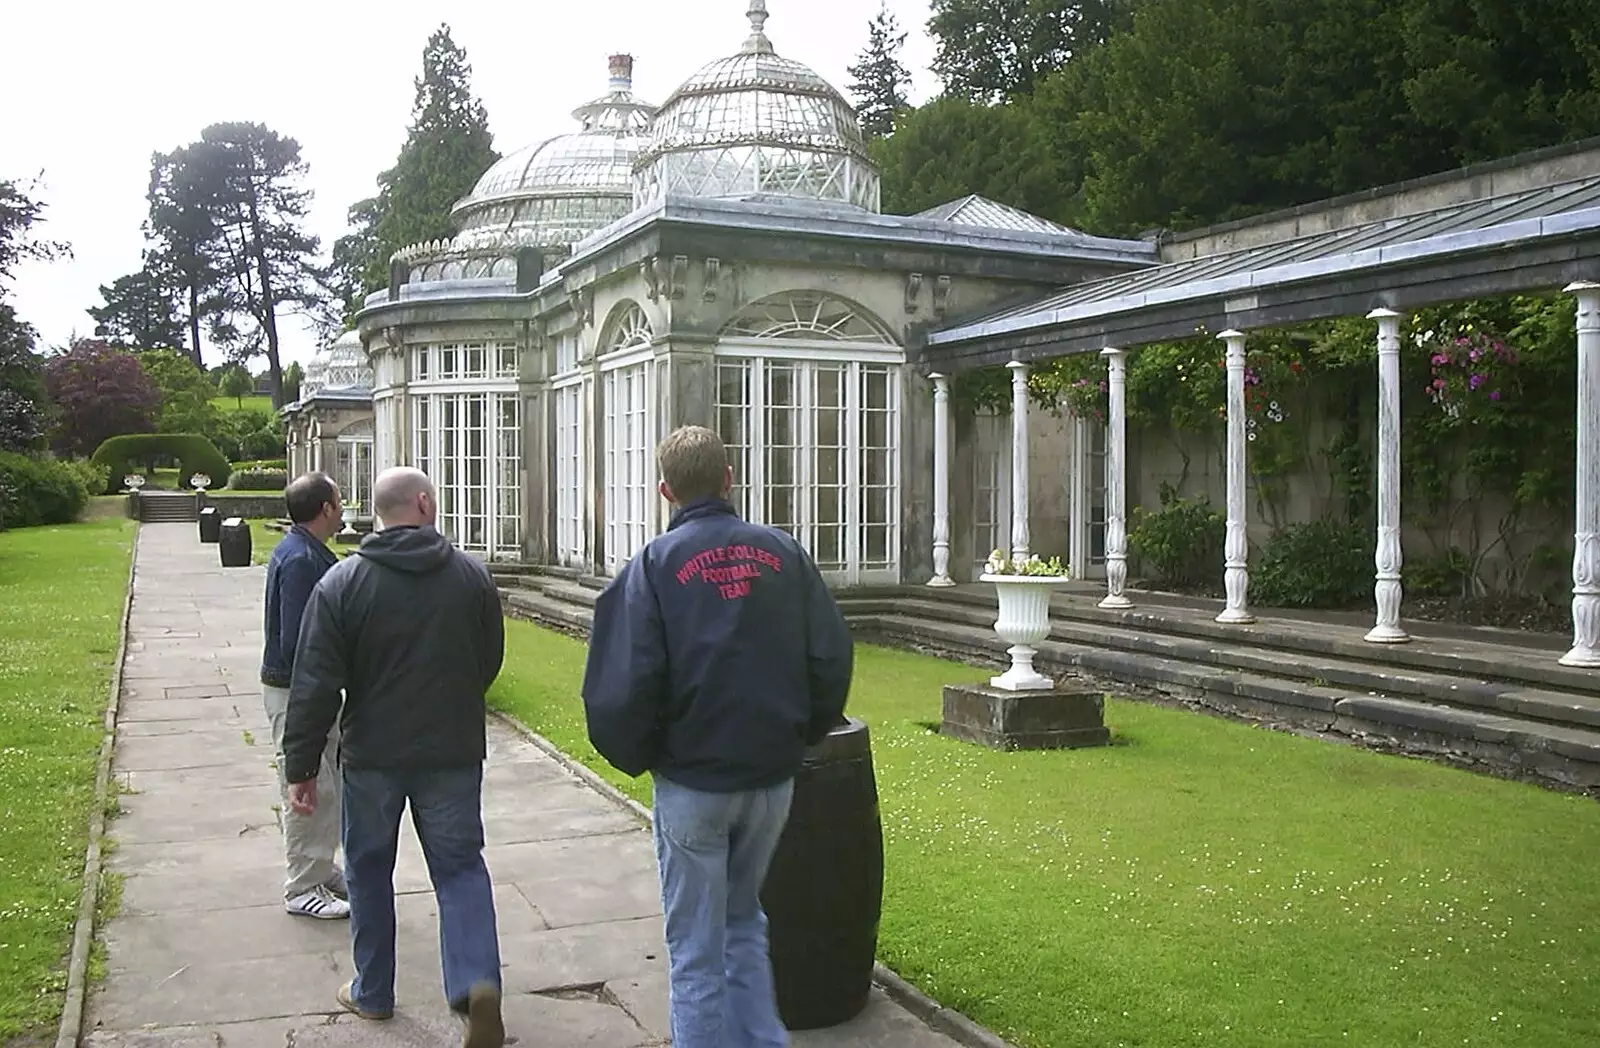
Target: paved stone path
x=202, y=953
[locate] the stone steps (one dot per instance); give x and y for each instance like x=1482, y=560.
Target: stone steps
x=173, y=508
x=1505, y=722
x=1571, y=708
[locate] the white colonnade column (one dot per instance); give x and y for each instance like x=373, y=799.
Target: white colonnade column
x=1116, y=480
x=1586, y=529
x=1019, y=459
x=1236, y=551
x=941, y=481
x=1388, y=559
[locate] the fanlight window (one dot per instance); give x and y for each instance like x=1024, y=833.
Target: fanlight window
x=632, y=330
x=813, y=317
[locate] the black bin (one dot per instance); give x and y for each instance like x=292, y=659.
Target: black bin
x=824, y=892
x=210, y=524
x=233, y=541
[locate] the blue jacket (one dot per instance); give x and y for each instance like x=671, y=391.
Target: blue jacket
x=297, y=565
x=717, y=655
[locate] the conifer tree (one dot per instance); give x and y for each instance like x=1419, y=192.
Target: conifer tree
x=447, y=149
x=881, y=79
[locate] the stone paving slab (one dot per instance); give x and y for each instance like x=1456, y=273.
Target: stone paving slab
x=202, y=954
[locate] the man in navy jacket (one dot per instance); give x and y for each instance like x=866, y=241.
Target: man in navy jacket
x=313, y=885
x=717, y=655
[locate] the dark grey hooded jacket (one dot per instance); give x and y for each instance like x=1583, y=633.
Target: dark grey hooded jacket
x=411, y=629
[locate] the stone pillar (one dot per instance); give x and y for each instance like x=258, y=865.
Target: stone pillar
x=1586, y=531
x=1236, y=552
x=1388, y=559
x=1117, y=480
x=941, y=481
x=1019, y=459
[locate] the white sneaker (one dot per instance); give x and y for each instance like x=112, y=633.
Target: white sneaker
x=320, y=903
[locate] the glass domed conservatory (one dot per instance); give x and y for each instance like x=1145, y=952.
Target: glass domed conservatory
x=330, y=428
x=754, y=124
x=720, y=261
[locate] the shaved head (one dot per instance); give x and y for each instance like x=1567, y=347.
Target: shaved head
x=404, y=496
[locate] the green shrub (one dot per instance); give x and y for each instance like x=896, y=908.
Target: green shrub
x=1182, y=541
x=1447, y=574
x=259, y=480
x=1323, y=564
x=267, y=463
x=37, y=491
x=94, y=476
x=195, y=454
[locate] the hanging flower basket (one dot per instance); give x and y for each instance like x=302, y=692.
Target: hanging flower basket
x=1024, y=589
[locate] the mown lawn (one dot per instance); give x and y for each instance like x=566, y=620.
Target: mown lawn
x=260, y=402
x=61, y=597
x=1202, y=882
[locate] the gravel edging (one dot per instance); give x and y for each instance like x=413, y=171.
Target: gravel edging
x=71, y=1027
x=945, y=1020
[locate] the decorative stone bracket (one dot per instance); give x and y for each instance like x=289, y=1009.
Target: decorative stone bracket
x=582, y=302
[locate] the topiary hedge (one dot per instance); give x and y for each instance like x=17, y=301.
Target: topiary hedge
x=195, y=454
x=37, y=491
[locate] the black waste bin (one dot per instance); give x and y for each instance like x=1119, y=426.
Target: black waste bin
x=824, y=892
x=210, y=524
x=233, y=541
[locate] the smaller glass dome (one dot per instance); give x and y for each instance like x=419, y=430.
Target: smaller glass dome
x=757, y=123
x=554, y=193
x=340, y=365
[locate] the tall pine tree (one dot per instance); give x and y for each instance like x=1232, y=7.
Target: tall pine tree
x=881, y=79
x=447, y=148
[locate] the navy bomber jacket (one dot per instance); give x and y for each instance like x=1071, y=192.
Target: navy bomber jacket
x=716, y=656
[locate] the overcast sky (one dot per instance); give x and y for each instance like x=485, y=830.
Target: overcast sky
x=92, y=90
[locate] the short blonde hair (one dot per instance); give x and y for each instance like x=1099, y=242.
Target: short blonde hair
x=693, y=463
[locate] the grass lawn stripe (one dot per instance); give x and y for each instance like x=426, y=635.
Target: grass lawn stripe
x=1202, y=882
x=61, y=597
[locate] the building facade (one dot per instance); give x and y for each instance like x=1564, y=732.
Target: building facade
x=719, y=261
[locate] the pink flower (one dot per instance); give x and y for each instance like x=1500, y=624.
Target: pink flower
x=1440, y=358
x=1438, y=383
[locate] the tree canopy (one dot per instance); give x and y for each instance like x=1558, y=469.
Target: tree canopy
x=880, y=78
x=1177, y=113
x=447, y=148
x=23, y=410
x=99, y=391
x=140, y=310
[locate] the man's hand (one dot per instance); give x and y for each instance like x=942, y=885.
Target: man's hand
x=303, y=797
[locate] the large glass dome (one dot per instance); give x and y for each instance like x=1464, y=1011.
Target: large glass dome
x=553, y=194
x=754, y=124
x=340, y=365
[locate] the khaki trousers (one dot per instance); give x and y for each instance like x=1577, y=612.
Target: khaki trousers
x=310, y=842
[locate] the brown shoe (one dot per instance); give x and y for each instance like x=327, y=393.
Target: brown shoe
x=349, y=1003
x=485, y=1028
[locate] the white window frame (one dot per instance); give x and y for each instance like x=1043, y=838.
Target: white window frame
x=1087, y=481
x=444, y=454
x=757, y=358
x=629, y=427
x=571, y=409
x=991, y=447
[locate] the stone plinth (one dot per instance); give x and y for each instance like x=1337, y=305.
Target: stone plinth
x=1061, y=718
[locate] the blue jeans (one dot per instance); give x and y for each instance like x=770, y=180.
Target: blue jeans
x=713, y=850
x=447, y=811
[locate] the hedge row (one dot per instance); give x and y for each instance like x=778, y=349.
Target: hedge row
x=257, y=479
x=37, y=491
x=195, y=454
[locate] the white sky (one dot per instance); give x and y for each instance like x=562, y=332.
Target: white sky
x=95, y=88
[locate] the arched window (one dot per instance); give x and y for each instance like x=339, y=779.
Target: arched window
x=631, y=330
x=807, y=315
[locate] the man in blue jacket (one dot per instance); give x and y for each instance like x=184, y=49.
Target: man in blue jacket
x=313, y=885
x=717, y=655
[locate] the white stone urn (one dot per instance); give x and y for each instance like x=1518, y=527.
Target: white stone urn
x=1024, y=621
